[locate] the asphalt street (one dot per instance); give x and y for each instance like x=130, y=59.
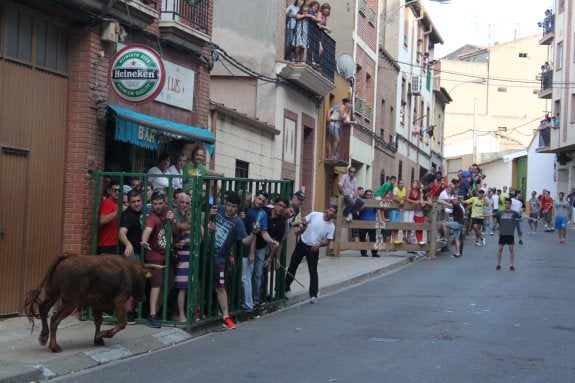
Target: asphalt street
x=451, y=320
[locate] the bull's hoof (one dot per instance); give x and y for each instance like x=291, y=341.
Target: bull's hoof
x=43, y=339
x=99, y=338
x=55, y=348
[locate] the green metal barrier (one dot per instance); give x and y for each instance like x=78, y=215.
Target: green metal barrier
x=201, y=303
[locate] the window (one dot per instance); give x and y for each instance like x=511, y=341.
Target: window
x=559, y=58
x=412, y=176
x=372, y=17
x=573, y=108
x=381, y=132
x=523, y=55
x=502, y=89
x=36, y=42
x=363, y=7
x=400, y=170
x=502, y=128
x=242, y=169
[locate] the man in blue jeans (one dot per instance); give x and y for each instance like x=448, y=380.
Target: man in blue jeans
x=348, y=189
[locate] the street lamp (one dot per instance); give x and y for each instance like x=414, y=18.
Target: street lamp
x=479, y=80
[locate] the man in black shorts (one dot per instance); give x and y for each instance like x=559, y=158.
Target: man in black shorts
x=506, y=220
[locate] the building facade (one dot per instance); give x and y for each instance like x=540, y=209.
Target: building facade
x=557, y=132
x=493, y=108
x=62, y=121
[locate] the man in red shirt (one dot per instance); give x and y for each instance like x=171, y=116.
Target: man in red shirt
x=108, y=220
x=154, y=240
x=547, y=211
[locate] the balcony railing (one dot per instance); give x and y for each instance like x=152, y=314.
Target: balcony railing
x=195, y=16
x=547, y=25
x=320, y=52
x=546, y=80
x=544, y=137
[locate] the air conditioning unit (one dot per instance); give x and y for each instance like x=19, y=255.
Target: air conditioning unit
x=109, y=31
x=415, y=85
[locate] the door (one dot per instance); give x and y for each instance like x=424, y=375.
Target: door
x=13, y=190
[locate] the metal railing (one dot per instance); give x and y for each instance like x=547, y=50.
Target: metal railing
x=196, y=16
x=201, y=302
x=544, y=137
x=320, y=53
x=546, y=80
x=547, y=25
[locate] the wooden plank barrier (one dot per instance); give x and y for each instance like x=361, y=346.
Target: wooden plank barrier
x=430, y=226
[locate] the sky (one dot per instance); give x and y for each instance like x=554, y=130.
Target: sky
x=484, y=22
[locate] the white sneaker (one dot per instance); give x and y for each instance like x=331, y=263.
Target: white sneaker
x=348, y=217
x=483, y=242
x=313, y=300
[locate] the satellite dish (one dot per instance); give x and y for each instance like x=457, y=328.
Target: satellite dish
x=346, y=66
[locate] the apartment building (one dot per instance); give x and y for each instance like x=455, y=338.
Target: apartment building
x=494, y=108
x=557, y=131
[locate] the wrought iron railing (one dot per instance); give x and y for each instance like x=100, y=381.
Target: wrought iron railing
x=194, y=13
x=546, y=80
x=544, y=137
x=320, y=52
x=547, y=25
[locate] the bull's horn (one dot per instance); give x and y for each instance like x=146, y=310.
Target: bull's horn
x=152, y=266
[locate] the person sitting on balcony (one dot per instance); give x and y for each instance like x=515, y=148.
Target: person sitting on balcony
x=337, y=116
x=291, y=12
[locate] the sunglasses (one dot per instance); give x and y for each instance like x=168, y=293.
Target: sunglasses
x=114, y=190
x=159, y=193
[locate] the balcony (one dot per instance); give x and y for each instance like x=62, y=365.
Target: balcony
x=317, y=72
x=548, y=26
x=546, y=84
x=185, y=24
x=544, y=138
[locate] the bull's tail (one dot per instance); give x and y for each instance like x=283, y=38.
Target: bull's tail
x=32, y=302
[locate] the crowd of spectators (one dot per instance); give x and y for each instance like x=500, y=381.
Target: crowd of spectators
x=132, y=228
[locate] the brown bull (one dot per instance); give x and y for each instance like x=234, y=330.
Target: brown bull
x=104, y=282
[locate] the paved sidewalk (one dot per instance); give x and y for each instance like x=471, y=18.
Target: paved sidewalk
x=22, y=359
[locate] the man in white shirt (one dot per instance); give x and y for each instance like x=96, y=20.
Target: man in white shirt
x=177, y=168
x=517, y=206
x=316, y=230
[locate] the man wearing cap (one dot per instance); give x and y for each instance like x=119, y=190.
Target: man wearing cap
x=348, y=188
x=295, y=205
x=316, y=230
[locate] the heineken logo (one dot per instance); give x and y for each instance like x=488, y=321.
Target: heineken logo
x=136, y=74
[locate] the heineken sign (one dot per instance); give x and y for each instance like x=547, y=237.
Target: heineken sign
x=137, y=74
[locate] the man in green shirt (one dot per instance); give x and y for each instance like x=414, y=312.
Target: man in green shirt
x=477, y=213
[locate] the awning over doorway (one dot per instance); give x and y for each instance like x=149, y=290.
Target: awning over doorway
x=149, y=132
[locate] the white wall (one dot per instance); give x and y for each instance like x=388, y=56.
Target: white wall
x=540, y=171
x=236, y=140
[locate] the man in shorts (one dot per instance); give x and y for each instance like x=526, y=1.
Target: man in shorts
x=477, y=213
x=228, y=229
x=155, y=240
x=506, y=219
